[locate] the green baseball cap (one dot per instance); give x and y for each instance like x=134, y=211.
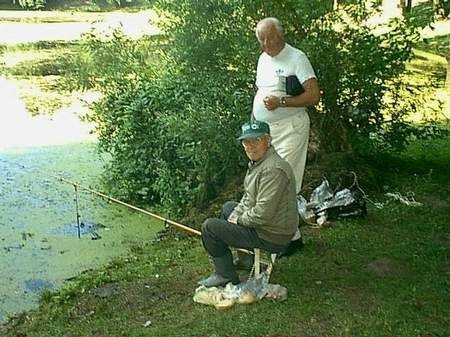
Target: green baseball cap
x=254, y=129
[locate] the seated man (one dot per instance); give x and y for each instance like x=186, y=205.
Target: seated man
x=265, y=218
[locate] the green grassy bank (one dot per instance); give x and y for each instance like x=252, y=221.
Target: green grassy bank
x=387, y=274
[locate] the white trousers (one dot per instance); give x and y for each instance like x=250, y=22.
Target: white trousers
x=290, y=139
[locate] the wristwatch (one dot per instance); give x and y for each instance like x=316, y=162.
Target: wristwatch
x=283, y=102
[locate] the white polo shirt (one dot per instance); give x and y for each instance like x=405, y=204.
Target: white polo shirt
x=271, y=74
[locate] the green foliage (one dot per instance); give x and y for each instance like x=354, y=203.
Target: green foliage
x=428, y=12
x=173, y=104
x=421, y=15
x=197, y=148
x=171, y=127
x=32, y=4
x=108, y=61
x=355, y=64
x=123, y=132
x=356, y=75
x=170, y=139
x=215, y=36
x=171, y=145
x=443, y=8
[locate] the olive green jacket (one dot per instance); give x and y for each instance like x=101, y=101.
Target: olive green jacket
x=269, y=203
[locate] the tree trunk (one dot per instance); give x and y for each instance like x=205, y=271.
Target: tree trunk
x=447, y=89
x=407, y=7
x=334, y=133
x=447, y=78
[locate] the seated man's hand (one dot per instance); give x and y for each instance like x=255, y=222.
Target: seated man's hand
x=233, y=218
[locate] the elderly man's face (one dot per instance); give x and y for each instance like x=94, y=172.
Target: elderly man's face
x=256, y=148
x=270, y=40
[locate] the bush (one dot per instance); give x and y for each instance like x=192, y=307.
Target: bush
x=356, y=65
x=170, y=145
x=173, y=105
x=171, y=139
x=443, y=8
x=355, y=68
x=32, y=4
x=108, y=60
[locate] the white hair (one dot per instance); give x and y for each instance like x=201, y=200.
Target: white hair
x=269, y=21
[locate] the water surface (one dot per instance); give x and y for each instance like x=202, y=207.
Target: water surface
x=41, y=244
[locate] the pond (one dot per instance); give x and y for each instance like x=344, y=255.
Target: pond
x=33, y=26
x=41, y=242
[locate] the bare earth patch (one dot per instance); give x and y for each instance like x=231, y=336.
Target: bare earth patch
x=385, y=267
x=444, y=239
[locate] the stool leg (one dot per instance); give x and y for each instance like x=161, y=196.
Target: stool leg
x=273, y=257
x=257, y=263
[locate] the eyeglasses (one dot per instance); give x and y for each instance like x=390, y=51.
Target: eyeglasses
x=252, y=141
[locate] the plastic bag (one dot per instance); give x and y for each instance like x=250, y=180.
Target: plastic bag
x=243, y=293
x=327, y=205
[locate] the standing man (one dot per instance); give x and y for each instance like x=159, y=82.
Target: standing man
x=266, y=217
x=285, y=113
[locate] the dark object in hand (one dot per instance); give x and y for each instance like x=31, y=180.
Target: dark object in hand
x=293, y=86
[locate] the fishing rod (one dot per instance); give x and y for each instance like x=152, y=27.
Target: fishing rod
x=120, y=202
x=117, y=201
x=165, y=220
x=77, y=186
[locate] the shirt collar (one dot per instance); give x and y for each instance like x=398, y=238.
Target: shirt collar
x=282, y=52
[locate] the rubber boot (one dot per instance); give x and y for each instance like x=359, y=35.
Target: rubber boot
x=243, y=261
x=223, y=274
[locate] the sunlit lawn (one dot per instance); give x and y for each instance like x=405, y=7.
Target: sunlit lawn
x=427, y=73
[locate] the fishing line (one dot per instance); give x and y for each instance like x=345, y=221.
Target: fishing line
x=77, y=212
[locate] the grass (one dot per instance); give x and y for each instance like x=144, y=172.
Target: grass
x=438, y=45
x=383, y=275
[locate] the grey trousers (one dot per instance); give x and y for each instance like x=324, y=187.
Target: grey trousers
x=218, y=235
